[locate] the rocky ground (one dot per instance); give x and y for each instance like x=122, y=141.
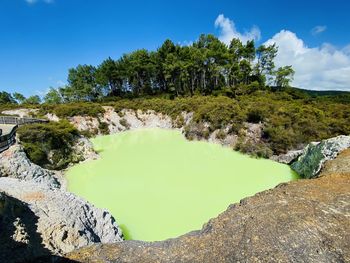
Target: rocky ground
x=14, y=163
x=64, y=221
x=300, y=221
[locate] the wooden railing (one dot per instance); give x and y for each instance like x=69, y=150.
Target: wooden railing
x=6, y=140
x=19, y=121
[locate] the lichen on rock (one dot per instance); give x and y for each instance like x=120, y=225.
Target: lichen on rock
x=315, y=155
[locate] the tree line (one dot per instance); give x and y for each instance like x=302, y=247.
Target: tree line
x=205, y=67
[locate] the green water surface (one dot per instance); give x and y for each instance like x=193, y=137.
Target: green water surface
x=159, y=185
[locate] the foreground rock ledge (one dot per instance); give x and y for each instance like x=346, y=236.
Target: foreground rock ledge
x=301, y=221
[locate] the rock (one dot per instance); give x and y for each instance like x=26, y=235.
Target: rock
x=83, y=150
x=287, y=158
x=310, y=163
x=254, y=131
x=225, y=139
x=14, y=163
x=125, y=120
x=299, y=221
x=83, y=123
x=52, y=117
x=19, y=238
x=64, y=222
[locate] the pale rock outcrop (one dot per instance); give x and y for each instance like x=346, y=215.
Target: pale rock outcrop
x=22, y=113
x=288, y=157
x=253, y=131
x=314, y=156
x=83, y=123
x=14, y=163
x=130, y=120
x=83, y=150
x=52, y=117
x=122, y=121
x=64, y=221
x=222, y=137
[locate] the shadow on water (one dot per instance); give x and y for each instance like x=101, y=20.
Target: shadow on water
x=126, y=232
x=17, y=220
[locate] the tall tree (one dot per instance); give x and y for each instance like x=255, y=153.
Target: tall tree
x=82, y=84
x=265, y=66
x=109, y=77
x=284, y=75
x=35, y=99
x=6, y=98
x=53, y=96
x=19, y=97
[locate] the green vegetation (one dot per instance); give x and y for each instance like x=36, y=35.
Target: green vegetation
x=49, y=145
x=206, y=67
x=224, y=86
x=289, y=120
x=72, y=109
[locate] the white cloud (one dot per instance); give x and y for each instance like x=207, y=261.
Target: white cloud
x=318, y=30
x=319, y=68
x=36, y=1
x=229, y=31
x=325, y=67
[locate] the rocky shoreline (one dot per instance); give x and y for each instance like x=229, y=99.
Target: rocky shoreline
x=65, y=222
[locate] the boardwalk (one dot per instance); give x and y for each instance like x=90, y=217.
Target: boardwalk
x=8, y=127
x=19, y=121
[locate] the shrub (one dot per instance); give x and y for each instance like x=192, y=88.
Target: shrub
x=124, y=123
x=48, y=145
x=103, y=127
x=221, y=135
x=73, y=109
x=255, y=116
x=259, y=150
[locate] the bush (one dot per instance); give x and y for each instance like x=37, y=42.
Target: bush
x=103, y=127
x=290, y=117
x=259, y=150
x=255, y=116
x=124, y=123
x=73, y=109
x=221, y=135
x=49, y=145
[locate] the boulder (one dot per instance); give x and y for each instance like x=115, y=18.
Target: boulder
x=14, y=163
x=288, y=157
x=19, y=238
x=63, y=221
x=314, y=156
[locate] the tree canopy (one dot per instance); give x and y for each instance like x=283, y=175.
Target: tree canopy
x=207, y=66
x=204, y=67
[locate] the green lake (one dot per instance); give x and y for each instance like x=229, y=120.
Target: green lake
x=158, y=185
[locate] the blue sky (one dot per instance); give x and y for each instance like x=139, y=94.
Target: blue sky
x=40, y=40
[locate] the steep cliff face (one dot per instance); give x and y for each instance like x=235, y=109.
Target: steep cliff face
x=300, y=221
